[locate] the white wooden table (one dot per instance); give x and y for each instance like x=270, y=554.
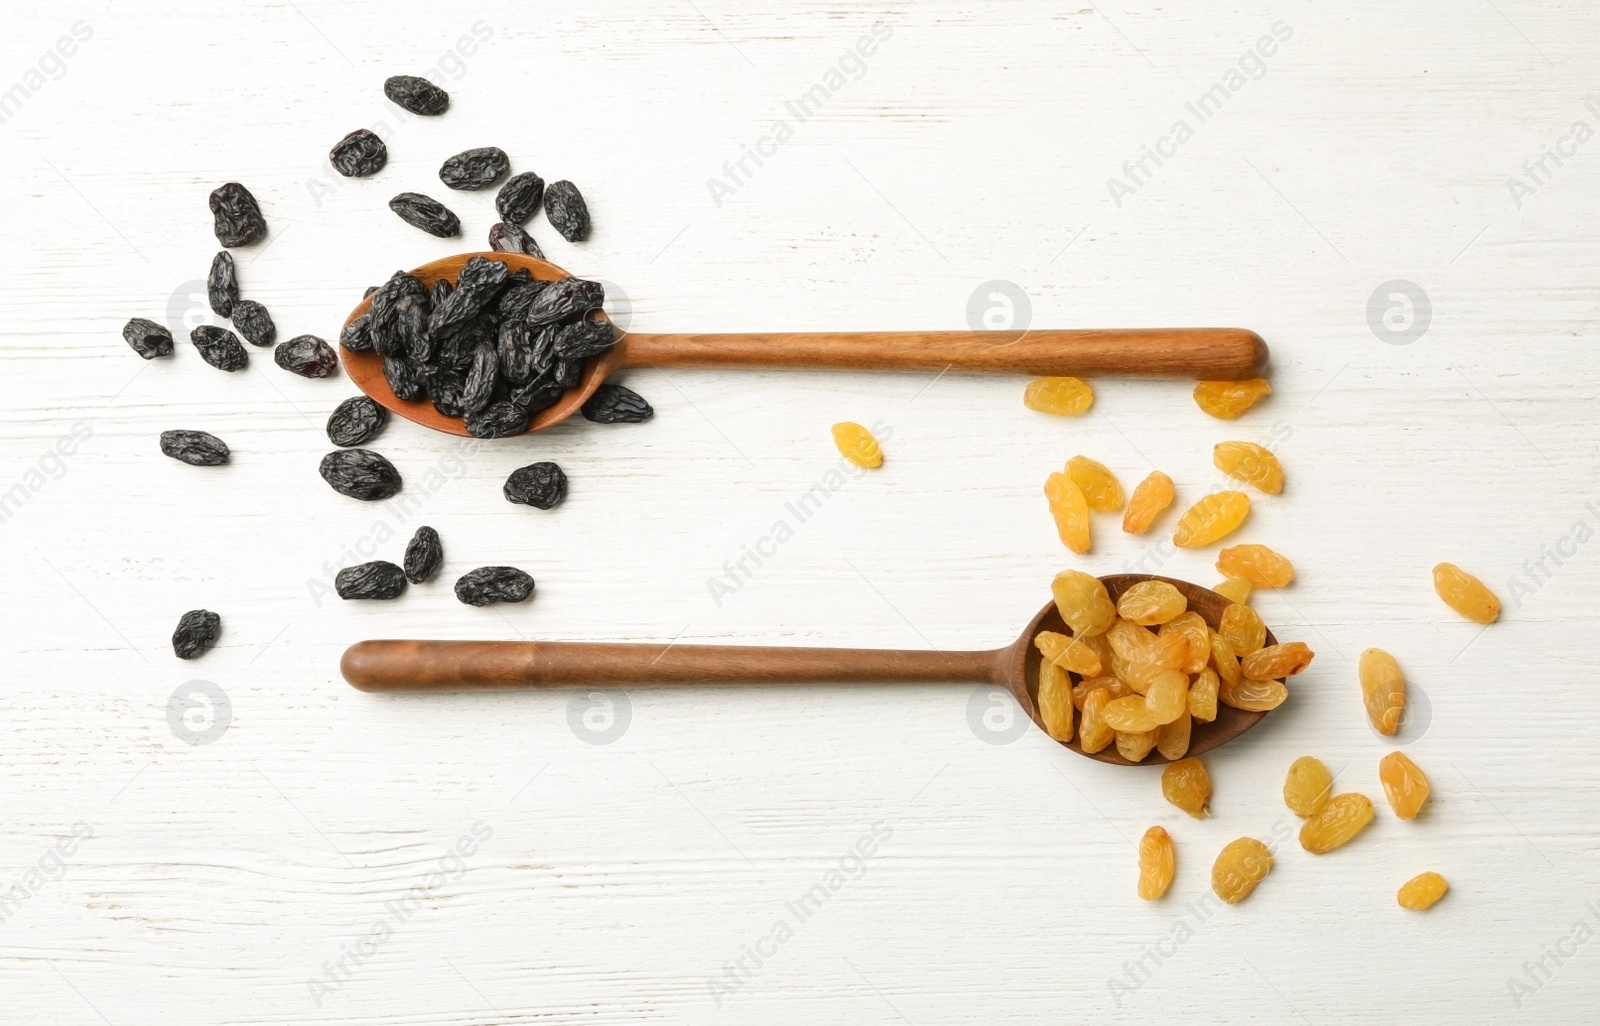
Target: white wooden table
x=335, y=857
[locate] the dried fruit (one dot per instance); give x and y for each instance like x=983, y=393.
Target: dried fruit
x=1404, y=783
x=1132, y=715
x=1193, y=626
x=147, y=338
x=1203, y=695
x=219, y=347
x=1187, y=785
x=1068, y=653
x=1064, y=397
x=1251, y=463
x=1243, y=628
x=359, y=154
x=1240, y=866
x=1083, y=602
x=1253, y=695
x=1224, y=660
x=357, y=335
x=1172, y=741
x=1055, y=701
x=1234, y=589
x=543, y=485
x=1070, y=510
x=360, y=474
x=1167, y=697
x=196, y=448
x=1099, y=485
x=424, y=555
x=1093, y=732
x=1134, y=745
x=519, y=198
x=583, y=339
x=490, y=584
x=497, y=420
x=1151, y=602
x=1211, y=519
x=403, y=379
x=375, y=580
x=1277, y=661
x=417, y=95
x=566, y=211
x=236, y=215
x=1421, y=891
x=1227, y=400
x=1465, y=593
x=1257, y=564
x=510, y=237
x=1113, y=688
x=475, y=169
x=1341, y=819
x=857, y=445
x=563, y=300
x=1152, y=496
x=1383, y=689
x=616, y=404
x=356, y=420
x=1157, y=863
x=222, y=284
x=307, y=356
x=196, y=632
x=480, y=283
x=1307, y=786
x=254, y=323
x=429, y=214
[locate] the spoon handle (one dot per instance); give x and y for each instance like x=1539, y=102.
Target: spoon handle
x=505, y=665
x=1204, y=353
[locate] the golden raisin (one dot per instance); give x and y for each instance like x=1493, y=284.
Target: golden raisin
x=1257, y=564
x=1253, y=695
x=1130, y=714
x=1277, y=661
x=1203, y=695
x=1222, y=657
x=1157, y=863
x=1083, y=603
x=1227, y=400
x=1234, y=589
x=1064, y=397
x=1465, y=593
x=1093, y=734
x=1404, y=783
x=857, y=445
x=1134, y=745
x=1193, y=626
x=1307, y=786
x=1211, y=519
x=1099, y=485
x=1070, y=510
x=1421, y=891
x=1341, y=819
x=1068, y=653
x=1152, y=496
x=1055, y=701
x=1239, y=867
x=1251, y=463
x=1244, y=629
x=1151, y=602
x=1187, y=785
x=1114, y=687
x=1383, y=690
x=1168, y=696
x=1172, y=740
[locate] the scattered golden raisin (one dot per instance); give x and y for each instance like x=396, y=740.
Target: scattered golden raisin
x=1134, y=745
x=1064, y=397
x=1383, y=689
x=1203, y=695
x=1421, y=891
x=1055, y=701
x=1465, y=593
x=1341, y=819
x=1152, y=496
x=1234, y=589
x=1253, y=695
x=1151, y=602
x=1307, y=786
x=1099, y=484
x=1157, y=863
x=1211, y=519
x=1251, y=463
x=1227, y=400
x=1083, y=602
x=857, y=445
x=1243, y=627
x=1239, y=867
x=1187, y=785
x=1404, y=783
x=1172, y=740
x=1257, y=564
x=1277, y=661
x=1093, y=733
x=1070, y=510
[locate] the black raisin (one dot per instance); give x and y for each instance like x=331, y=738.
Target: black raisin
x=518, y=300
x=417, y=95
x=430, y=215
x=147, y=338
x=509, y=237
x=222, y=284
x=360, y=474
x=196, y=448
x=254, y=322
x=424, y=556
x=359, y=154
x=497, y=420
x=569, y=372
x=490, y=584
x=616, y=404
x=386, y=310
x=475, y=169
x=440, y=292
x=566, y=211
x=584, y=339
x=411, y=328
x=237, y=215
x=539, y=394
x=356, y=420
x=404, y=380
x=307, y=356
x=565, y=299
x=378, y=579
x=543, y=485
x=481, y=378
x=197, y=632
x=444, y=385
x=479, y=284
x=515, y=349
x=519, y=198
x=357, y=335
x=369, y=291
x=219, y=347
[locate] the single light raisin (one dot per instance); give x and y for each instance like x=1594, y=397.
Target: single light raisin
x=222, y=284
x=1151, y=602
x=616, y=404
x=196, y=632
x=375, y=580
x=1239, y=867
x=1404, y=783
x=237, y=215
x=1192, y=625
x=1227, y=400
x=359, y=154
x=1150, y=499
x=1070, y=510
x=1172, y=741
x=360, y=474
x=1307, y=786
x=1064, y=397
x=856, y=444
x=417, y=95
x=356, y=420
x=196, y=448
x=566, y=211
x=1187, y=785
x=1251, y=463
x=424, y=555
x=1167, y=697
x=1243, y=628
x=1211, y=519
x=490, y=584
x=1277, y=661
x=307, y=356
x=147, y=338
x=1257, y=564
x=1465, y=593
x=1083, y=602
x=1134, y=745
x=1421, y=891
x=429, y=214
x=1157, y=863
x=1094, y=733
x=1055, y=701
x=542, y=485
x=219, y=347
x=1342, y=818
x=1234, y=589
x=1100, y=487
x=1253, y=695
x=254, y=322
x=1203, y=695
x=1383, y=689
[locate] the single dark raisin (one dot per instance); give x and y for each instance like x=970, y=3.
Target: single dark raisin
x=565, y=299
x=584, y=339
x=359, y=154
x=360, y=474
x=569, y=372
x=566, y=211
x=430, y=215
x=490, y=584
x=475, y=169
x=539, y=394
x=196, y=448
x=543, y=485
x=509, y=237
x=497, y=420
x=219, y=347
x=616, y=404
x=403, y=379
x=378, y=579
x=388, y=337
x=479, y=284
x=147, y=338
x=515, y=350
x=444, y=385
x=411, y=327
x=370, y=289
x=424, y=555
x=519, y=198
x=440, y=292
x=518, y=299
x=307, y=356
x=356, y=420
x=222, y=284
x=254, y=323
x=197, y=632
x=357, y=335
x=237, y=215
x=417, y=95
x=481, y=379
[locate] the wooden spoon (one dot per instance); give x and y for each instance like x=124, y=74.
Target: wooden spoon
x=554, y=665
x=1204, y=353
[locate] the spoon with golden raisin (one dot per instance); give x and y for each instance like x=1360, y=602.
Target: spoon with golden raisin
x=412, y=666
x=1202, y=353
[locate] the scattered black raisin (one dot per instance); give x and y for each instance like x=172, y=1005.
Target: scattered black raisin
x=196, y=448
x=356, y=420
x=147, y=338
x=417, y=95
x=307, y=356
x=360, y=474
x=616, y=404
x=565, y=299
x=359, y=154
x=222, y=284
x=197, y=632
x=509, y=237
x=475, y=169
x=566, y=211
x=490, y=584
x=497, y=420
x=403, y=379
x=378, y=579
x=357, y=335
x=479, y=284
x=543, y=485
x=237, y=215
x=254, y=323
x=424, y=556
x=430, y=215
x=519, y=198
x=219, y=347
